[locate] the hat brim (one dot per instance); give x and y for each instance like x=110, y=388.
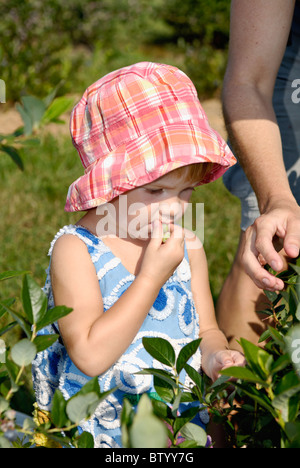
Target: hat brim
x=146, y=159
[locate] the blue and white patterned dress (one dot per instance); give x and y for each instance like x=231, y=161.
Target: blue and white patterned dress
x=172, y=317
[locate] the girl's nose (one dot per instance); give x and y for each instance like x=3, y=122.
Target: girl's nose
x=171, y=210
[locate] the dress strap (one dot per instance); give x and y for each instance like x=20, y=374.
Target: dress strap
x=82, y=233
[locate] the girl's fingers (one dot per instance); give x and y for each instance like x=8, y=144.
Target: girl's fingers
x=156, y=233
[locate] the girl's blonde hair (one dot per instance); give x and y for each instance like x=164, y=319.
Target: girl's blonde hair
x=194, y=172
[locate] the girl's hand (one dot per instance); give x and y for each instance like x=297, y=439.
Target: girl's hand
x=223, y=359
x=161, y=259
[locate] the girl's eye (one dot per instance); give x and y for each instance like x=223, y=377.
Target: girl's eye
x=152, y=191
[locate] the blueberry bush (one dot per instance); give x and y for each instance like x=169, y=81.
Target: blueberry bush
x=257, y=405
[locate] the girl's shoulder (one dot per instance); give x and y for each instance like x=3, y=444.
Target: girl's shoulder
x=71, y=263
x=76, y=235
x=66, y=248
x=72, y=245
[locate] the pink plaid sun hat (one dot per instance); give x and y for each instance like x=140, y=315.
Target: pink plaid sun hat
x=135, y=125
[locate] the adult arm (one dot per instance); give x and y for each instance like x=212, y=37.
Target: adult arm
x=258, y=38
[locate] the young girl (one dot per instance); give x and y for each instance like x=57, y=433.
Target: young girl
x=145, y=143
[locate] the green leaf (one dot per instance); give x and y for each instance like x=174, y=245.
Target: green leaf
x=186, y=353
x=296, y=268
x=163, y=375
x=34, y=300
x=194, y=432
x=7, y=328
x=43, y=342
x=127, y=412
x=256, y=358
x=242, y=373
x=14, y=154
x=293, y=300
x=144, y=406
x=49, y=98
x=12, y=369
x=271, y=295
x=176, y=403
x=257, y=396
x=265, y=360
x=4, y=443
x=220, y=382
x=187, y=444
x=189, y=397
x=264, y=336
x=33, y=109
x=163, y=389
x=194, y=375
x=160, y=349
x=28, y=124
x=23, y=352
x=2, y=351
x=57, y=108
x=288, y=387
x=85, y=440
x=92, y=386
x=58, y=411
x=289, y=382
x=281, y=363
x=127, y=416
x=8, y=303
x=297, y=314
x=52, y=315
x=162, y=409
x=22, y=321
x=292, y=340
x=292, y=430
x=85, y=402
x=277, y=337
x=147, y=431
x=11, y=274
x=4, y=405
x=184, y=418
x=81, y=407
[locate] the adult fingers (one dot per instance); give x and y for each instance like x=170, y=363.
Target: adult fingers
x=266, y=227
x=291, y=241
x=251, y=262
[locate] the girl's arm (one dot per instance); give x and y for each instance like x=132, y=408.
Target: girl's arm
x=95, y=340
x=214, y=345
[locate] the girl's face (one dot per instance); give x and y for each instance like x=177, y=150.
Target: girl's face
x=165, y=199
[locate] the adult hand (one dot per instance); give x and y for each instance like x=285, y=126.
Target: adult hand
x=283, y=221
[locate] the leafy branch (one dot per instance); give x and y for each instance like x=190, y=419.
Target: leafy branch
x=166, y=404
x=59, y=426
x=35, y=113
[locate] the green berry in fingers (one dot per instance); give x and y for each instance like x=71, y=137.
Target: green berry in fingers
x=166, y=233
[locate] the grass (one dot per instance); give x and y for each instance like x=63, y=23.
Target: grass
x=32, y=211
